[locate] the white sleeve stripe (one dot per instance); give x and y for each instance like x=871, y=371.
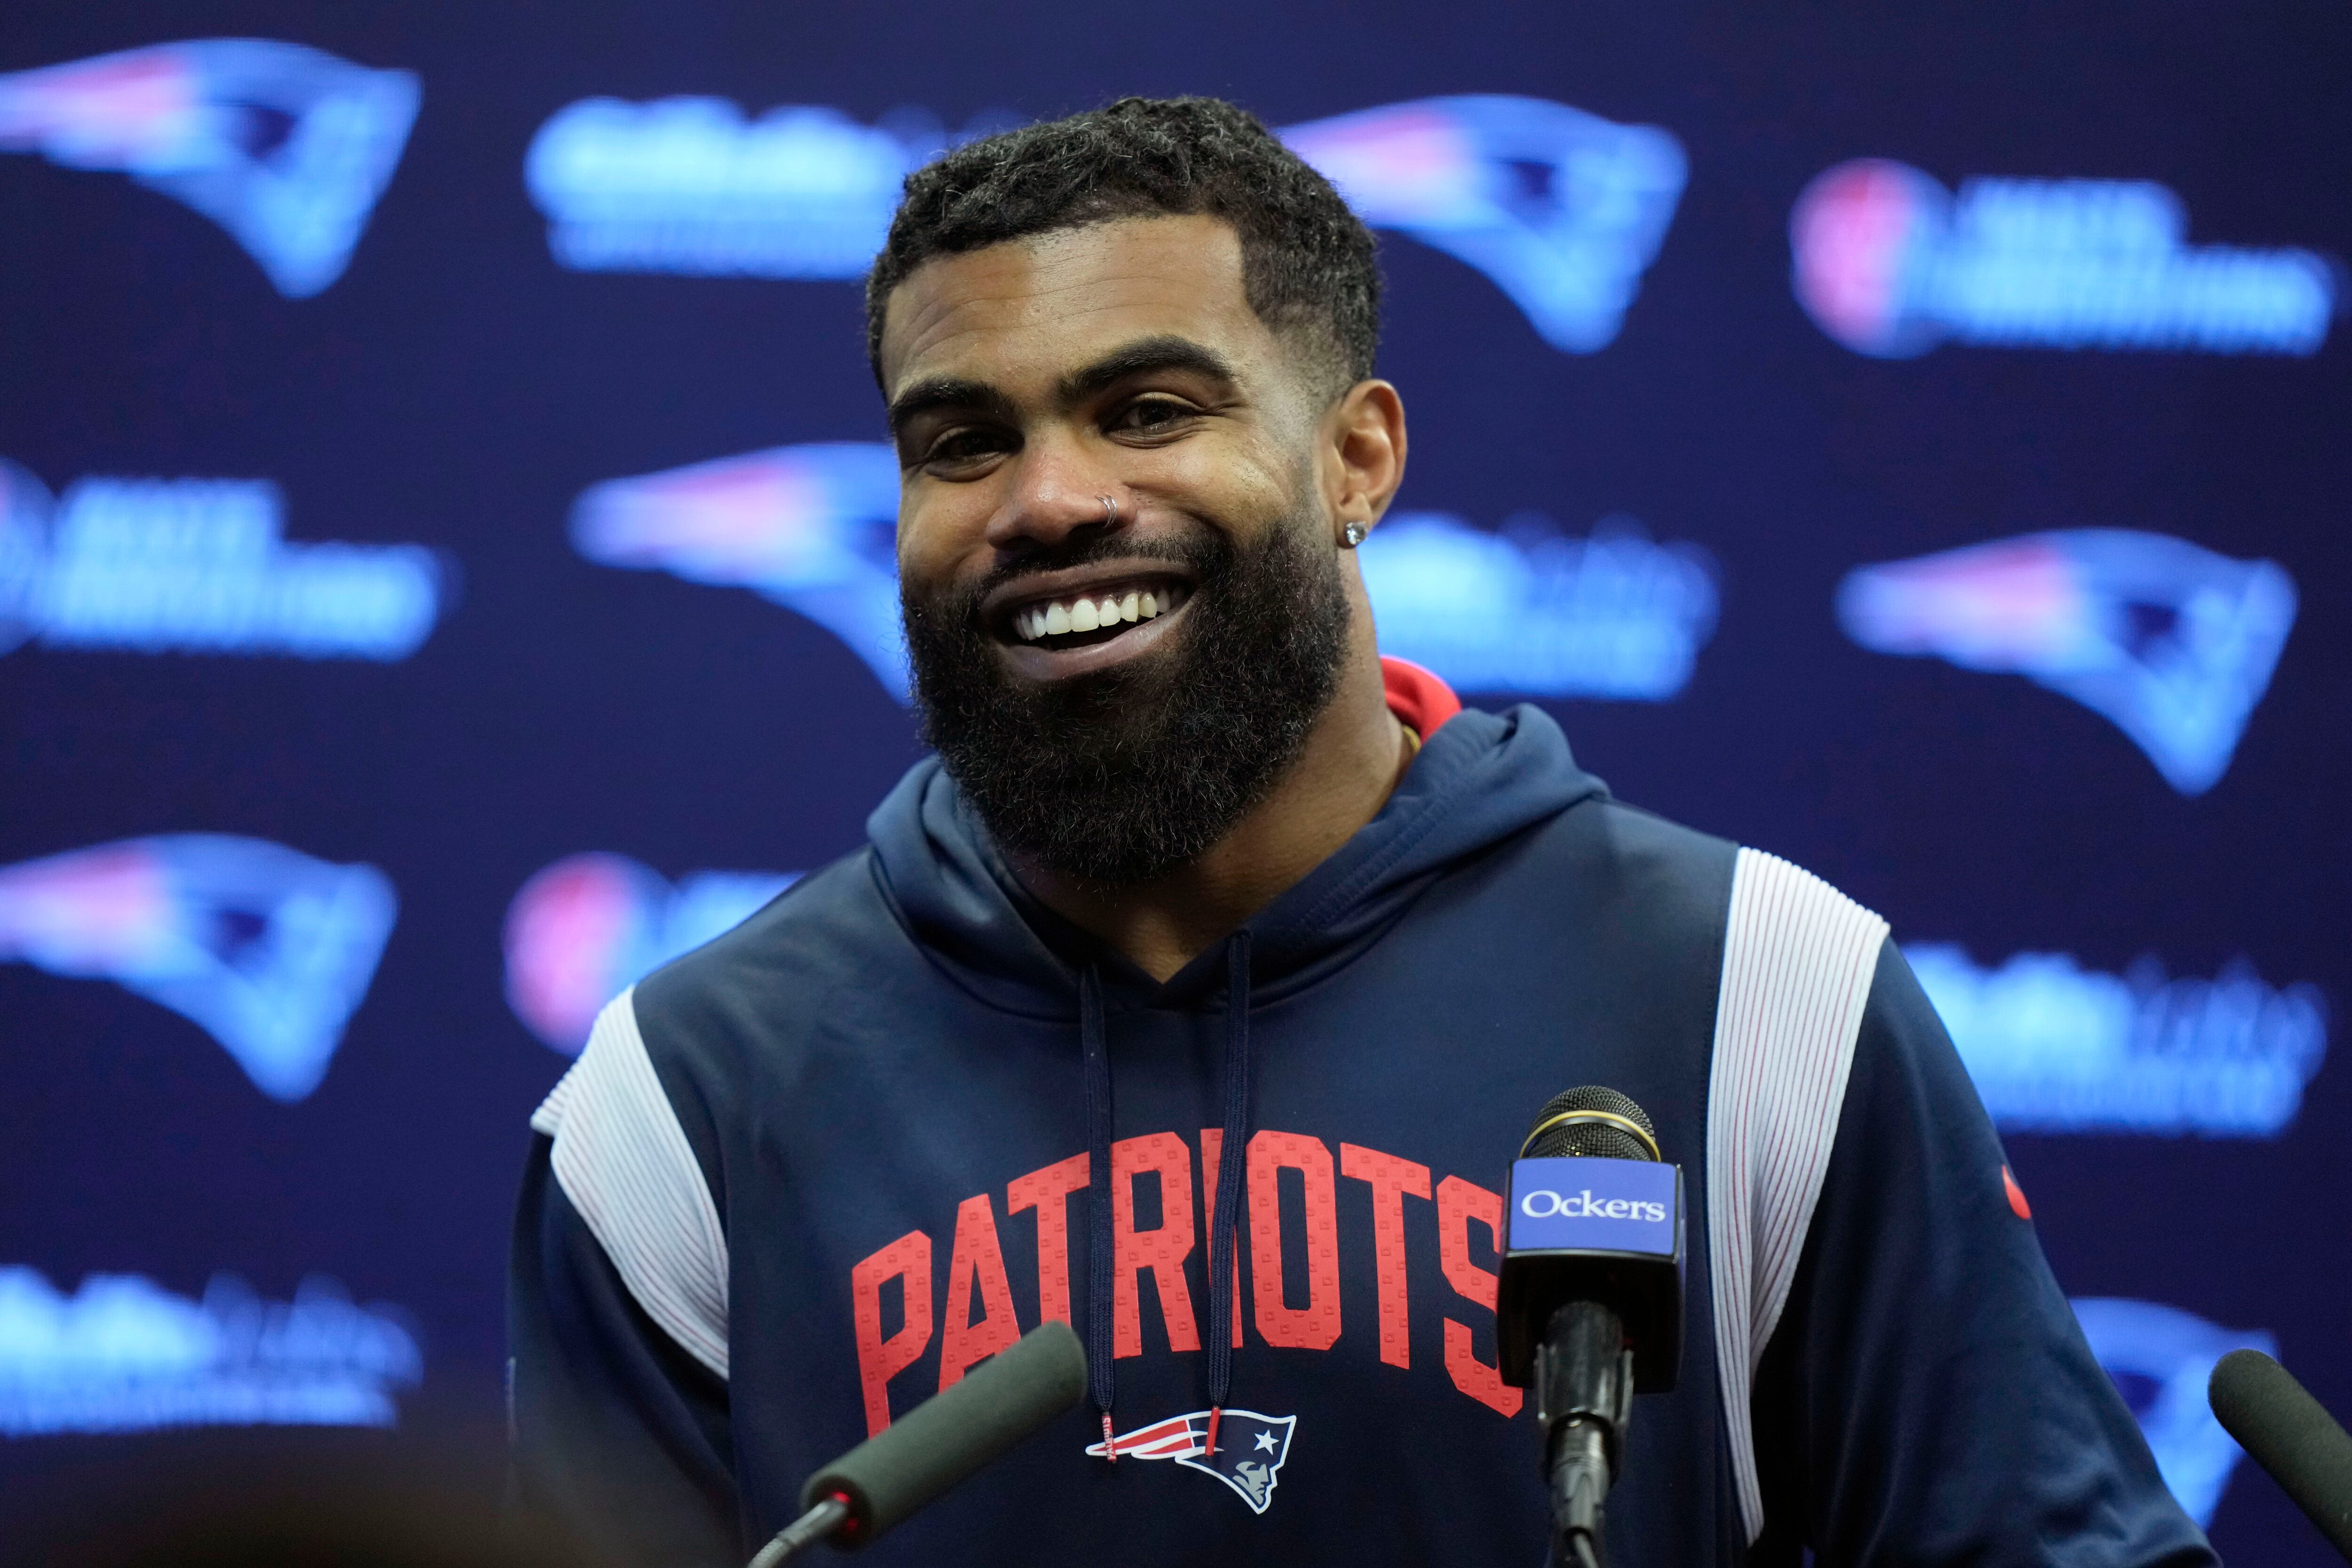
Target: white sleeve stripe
x=1798, y=961
x=624, y=1162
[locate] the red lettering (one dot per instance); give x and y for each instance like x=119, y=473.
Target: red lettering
x=1315, y=1326
x=1391, y=1181
x=977, y=1261
x=1048, y=1191
x=1459, y=1203
x=1161, y=1249
x=1213, y=1143
x=907, y=1260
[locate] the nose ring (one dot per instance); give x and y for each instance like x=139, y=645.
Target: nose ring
x=1110, y=510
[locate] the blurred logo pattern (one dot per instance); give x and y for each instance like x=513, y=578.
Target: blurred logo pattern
x=2054, y=1047
x=267, y=950
x=123, y=1354
x=2173, y=643
x=689, y=185
x=1889, y=264
x=812, y=527
x=283, y=146
x=584, y=930
x=1529, y=610
x=2160, y=1358
x=199, y=566
x=1536, y=611
x=1562, y=209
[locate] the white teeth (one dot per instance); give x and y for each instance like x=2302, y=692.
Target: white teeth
x=1132, y=607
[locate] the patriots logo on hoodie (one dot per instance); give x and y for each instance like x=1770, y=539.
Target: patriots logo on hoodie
x=1250, y=1449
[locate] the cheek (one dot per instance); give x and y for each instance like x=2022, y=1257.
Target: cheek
x=939, y=529
x=1232, y=480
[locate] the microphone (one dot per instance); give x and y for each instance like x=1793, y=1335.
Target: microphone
x=900, y=1469
x=2290, y=1435
x=1588, y=1308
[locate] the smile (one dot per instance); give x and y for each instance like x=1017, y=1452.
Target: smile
x=1063, y=620
x=1063, y=624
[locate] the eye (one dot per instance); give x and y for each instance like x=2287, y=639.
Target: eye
x=1152, y=416
x=966, y=447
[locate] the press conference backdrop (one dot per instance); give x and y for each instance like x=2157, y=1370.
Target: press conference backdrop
x=446, y=569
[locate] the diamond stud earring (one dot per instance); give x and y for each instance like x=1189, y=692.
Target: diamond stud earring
x=1354, y=534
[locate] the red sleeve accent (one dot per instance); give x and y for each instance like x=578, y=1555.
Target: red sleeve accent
x=1418, y=699
x=2017, y=1204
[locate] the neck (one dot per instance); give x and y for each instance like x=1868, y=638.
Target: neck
x=1351, y=761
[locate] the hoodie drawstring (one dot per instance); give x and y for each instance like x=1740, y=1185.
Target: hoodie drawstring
x=1225, y=1216
x=1096, y=1049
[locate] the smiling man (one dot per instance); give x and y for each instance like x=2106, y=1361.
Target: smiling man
x=1199, y=989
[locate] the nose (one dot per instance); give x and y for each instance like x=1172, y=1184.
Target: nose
x=1059, y=494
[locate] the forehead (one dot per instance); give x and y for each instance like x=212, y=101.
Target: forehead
x=1036, y=308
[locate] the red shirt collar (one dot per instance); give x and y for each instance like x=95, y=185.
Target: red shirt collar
x=1420, y=700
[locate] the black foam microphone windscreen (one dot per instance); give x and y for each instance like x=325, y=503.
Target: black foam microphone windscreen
x=2290, y=1435
x=954, y=1433
x=1591, y=1122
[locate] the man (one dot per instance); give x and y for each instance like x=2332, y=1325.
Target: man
x=1207, y=934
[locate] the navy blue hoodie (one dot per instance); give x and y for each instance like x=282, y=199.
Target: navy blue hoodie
x=805, y=1176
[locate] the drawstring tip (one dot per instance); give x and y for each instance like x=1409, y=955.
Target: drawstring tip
x=1110, y=1444
x=1216, y=1413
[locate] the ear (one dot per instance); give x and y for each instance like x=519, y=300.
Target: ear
x=1363, y=455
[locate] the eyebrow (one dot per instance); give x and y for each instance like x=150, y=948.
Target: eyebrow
x=947, y=392
x=1144, y=356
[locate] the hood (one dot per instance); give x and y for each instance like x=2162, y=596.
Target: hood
x=1478, y=779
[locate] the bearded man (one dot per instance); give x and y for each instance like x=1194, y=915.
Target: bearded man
x=1198, y=992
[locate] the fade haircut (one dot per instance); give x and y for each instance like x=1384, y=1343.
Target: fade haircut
x=1308, y=265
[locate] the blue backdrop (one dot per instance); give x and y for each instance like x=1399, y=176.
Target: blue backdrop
x=445, y=569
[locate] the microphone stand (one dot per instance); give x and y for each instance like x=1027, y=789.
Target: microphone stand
x=1584, y=1400
x=804, y=1533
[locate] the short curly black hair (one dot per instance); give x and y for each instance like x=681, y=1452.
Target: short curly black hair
x=1307, y=262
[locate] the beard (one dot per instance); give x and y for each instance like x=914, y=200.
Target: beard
x=1122, y=775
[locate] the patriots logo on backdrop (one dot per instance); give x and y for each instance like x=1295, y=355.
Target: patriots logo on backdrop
x=1251, y=1449
x=2172, y=642
x=267, y=950
x=1564, y=210
x=812, y=527
x=284, y=147
x=585, y=929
